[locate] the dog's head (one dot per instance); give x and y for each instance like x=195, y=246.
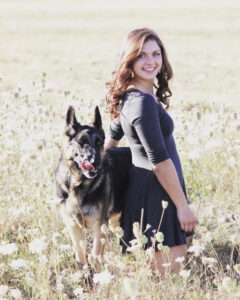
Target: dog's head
x=84, y=147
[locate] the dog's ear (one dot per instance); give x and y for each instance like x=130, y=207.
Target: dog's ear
x=71, y=122
x=97, y=121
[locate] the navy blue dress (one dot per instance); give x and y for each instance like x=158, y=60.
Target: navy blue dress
x=148, y=128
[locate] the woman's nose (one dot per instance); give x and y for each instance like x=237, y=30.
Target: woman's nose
x=149, y=59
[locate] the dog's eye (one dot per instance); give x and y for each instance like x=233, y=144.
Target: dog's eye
x=76, y=154
x=83, y=141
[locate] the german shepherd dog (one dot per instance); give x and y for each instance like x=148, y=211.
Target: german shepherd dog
x=89, y=182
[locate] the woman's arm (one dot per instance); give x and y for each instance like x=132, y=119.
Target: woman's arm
x=143, y=115
x=167, y=176
x=111, y=143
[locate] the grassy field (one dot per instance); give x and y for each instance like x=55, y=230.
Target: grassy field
x=57, y=53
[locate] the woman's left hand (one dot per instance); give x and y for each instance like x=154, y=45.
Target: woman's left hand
x=186, y=218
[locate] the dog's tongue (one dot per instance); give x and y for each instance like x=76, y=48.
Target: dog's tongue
x=87, y=166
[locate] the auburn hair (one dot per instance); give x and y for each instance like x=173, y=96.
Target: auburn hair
x=122, y=75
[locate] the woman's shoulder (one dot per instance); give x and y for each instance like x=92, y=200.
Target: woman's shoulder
x=137, y=98
x=138, y=104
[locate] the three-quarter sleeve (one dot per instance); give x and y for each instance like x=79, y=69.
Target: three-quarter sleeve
x=144, y=117
x=115, y=130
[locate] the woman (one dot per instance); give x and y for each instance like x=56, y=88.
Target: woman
x=156, y=172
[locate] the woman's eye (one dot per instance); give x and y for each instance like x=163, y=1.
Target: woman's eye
x=141, y=55
x=156, y=54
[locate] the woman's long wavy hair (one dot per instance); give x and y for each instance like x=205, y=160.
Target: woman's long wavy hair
x=122, y=75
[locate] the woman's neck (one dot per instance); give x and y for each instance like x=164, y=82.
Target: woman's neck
x=146, y=87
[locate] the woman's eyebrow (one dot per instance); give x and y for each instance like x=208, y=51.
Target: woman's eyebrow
x=158, y=50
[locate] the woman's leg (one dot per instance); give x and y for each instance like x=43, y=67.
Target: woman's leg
x=177, y=251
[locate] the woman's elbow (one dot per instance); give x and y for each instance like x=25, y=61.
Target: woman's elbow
x=162, y=166
x=111, y=143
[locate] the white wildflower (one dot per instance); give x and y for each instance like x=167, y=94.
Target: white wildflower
x=104, y=229
x=75, y=277
x=102, y=278
x=164, y=204
x=137, y=233
x=65, y=247
x=208, y=260
x=130, y=287
x=180, y=259
x=78, y=291
x=15, y=294
x=18, y=263
x=37, y=245
x=159, y=237
x=8, y=249
x=166, y=265
x=228, y=284
x=148, y=227
x=59, y=286
x=3, y=290
x=185, y=273
x=196, y=249
x=150, y=252
x=118, y=231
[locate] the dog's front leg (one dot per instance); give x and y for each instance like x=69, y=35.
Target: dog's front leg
x=78, y=238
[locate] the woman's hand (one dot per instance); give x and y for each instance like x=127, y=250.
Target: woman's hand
x=186, y=218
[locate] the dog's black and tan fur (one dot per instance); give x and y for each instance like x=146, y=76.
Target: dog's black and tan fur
x=89, y=196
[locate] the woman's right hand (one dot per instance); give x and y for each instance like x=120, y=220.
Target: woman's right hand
x=186, y=218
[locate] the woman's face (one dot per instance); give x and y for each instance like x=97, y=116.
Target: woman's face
x=149, y=62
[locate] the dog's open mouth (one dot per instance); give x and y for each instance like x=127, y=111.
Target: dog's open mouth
x=88, y=168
